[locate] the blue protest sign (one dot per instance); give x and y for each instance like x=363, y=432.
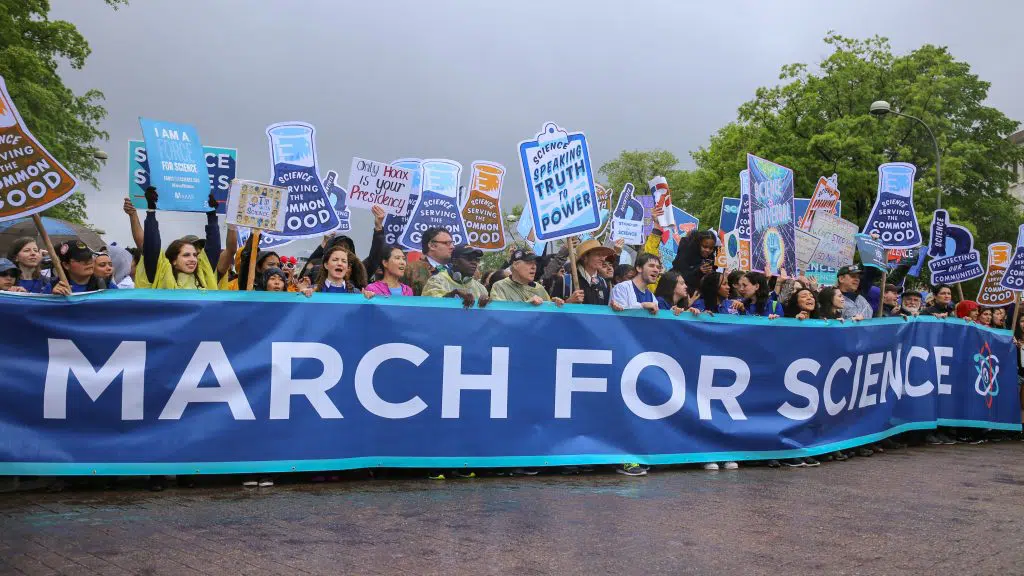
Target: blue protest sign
x=892, y=217
x=295, y=166
x=728, y=214
x=628, y=218
x=685, y=224
x=428, y=385
x=1014, y=277
x=559, y=183
x=221, y=164
x=743, y=220
x=951, y=247
x=394, y=225
x=800, y=206
x=525, y=230
x=872, y=253
x=437, y=205
x=338, y=197
x=773, y=224
x=177, y=166
x=825, y=275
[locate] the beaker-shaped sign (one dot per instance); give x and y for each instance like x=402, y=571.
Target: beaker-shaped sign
x=437, y=205
x=394, y=225
x=1014, y=277
x=992, y=292
x=482, y=212
x=892, y=217
x=294, y=161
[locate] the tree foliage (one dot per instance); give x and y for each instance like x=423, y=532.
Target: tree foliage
x=638, y=167
x=31, y=49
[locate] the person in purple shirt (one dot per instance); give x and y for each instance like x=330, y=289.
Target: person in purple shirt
x=392, y=263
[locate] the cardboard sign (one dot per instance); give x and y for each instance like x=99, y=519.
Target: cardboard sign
x=255, y=205
x=658, y=187
x=837, y=246
x=825, y=275
x=177, y=165
x=992, y=293
x=338, y=197
x=437, y=205
x=892, y=217
x=481, y=213
x=872, y=252
x=734, y=252
x=773, y=225
x=372, y=183
x=394, y=224
x=897, y=257
x=824, y=199
x=294, y=165
x=1014, y=277
x=31, y=179
x=685, y=224
x=628, y=218
x=951, y=247
x=806, y=245
x=221, y=165
x=559, y=183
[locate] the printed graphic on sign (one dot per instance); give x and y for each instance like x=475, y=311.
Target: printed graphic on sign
x=892, y=217
x=837, y=245
x=658, y=187
x=902, y=257
x=31, y=180
x=647, y=201
x=872, y=252
x=394, y=224
x=525, y=230
x=806, y=245
x=338, y=197
x=256, y=205
x=734, y=253
x=729, y=214
x=628, y=218
x=1014, y=277
x=743, y=220
x=685, y=224
x=951, y=247
x=992, y=292
x=437, y=205
x=177, y=165
x=604, y=204
x=481, y=213
x=800, y=206
x=559, y=183
x=372, y=183
x=773, y=227
x=295, y=166
x=221, y=164
x=825, y=275
x=825, y=198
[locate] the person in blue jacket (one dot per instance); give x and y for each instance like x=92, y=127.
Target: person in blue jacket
x=757, y=299
x=714, y=296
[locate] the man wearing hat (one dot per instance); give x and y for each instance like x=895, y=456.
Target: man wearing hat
x=9, y=274
x=590, y=287
x=459, y=280
x=856, y=306
x=520, y=286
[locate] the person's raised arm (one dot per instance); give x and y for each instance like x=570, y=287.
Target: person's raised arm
x=227, y=255
x=133, y=218
x=212, y=247
x=151, y=236
x=373, y=259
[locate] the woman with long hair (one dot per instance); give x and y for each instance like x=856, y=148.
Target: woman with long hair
x=802, y=305
x=341, y=272
x=830, y=303
x=696, y=259
x=671, y=292
x=757, y=299
x=714, y=296
x=392, y=263
x=26, y=255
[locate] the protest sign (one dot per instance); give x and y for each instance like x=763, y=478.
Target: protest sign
x=728, y=214
x=734, y=252
x=604, y=203
x=825, y=275
x=951, y=247
x=800, y=206
x=338, y=197
x=372, y=183
x=97, y=395
x=31, y=179
x=394, y=224
x=295, y=166
x=221, y=165
x=743, y=219
x=177, y=165
x=872, y=253
x=525, y=230
x=647, y=201
x=684, y=225
x=1014, y=277
x=837, y=245
x=559, y=183
x=482, y=212
x=658, y=187
x=825, y=198
x=897, y=257
x=773, y=226
x=437, y=205
x=992, y=292
x=255, y=205
x=892, y=217
x=628, y=218
x=806, y=244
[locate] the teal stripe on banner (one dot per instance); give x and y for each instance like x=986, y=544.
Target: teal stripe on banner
x=283, y=466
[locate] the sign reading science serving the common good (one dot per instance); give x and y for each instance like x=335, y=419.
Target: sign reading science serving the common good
x=559, y=183
x=221, y=164
x=481, y=214
x=177, y=165
x=31, y=180
x=892, y=217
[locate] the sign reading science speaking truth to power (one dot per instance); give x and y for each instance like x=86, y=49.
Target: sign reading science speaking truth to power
x=559, y=183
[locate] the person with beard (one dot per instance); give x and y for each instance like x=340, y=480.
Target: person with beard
x=392, y=266
x=910, y=304
x=635, y=294
x=457, y=280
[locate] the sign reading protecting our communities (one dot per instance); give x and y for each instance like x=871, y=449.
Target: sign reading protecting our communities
x=437, y=205
x=256, y=205
x=294, y=165
x=628, y=218
x=372, y=183
x=31, y=179
x=1014, y=277
x=992, y=293
x=177, y=165
x=837, y=245
x=773, y=225
x=481, y=213
x=951, y=248
x=221, y=165
x=559, y=183
x=824, y=199
x=892, y=217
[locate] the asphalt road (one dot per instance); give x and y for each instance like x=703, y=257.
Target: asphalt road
x=928, y=510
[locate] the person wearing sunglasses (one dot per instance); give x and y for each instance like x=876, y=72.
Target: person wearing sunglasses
x=9, y=275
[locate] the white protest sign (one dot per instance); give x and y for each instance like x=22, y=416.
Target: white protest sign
x=372, y=183
x=628, y=218
x=837, y=245
x=806, y=244
x=256, y=205
x=662, y=199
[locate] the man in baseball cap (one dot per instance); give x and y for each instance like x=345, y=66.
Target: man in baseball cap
x=459, y=279
x=519, y=286
x=857, y=307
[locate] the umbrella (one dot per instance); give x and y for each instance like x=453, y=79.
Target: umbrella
x=59, y=231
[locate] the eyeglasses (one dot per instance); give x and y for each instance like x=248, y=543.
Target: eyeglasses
x=442, y=243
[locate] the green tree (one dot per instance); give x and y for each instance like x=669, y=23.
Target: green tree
x=639, y=166
x=816, y=122
x=494, y=260
x=31, y=48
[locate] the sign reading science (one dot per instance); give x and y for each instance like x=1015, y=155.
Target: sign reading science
x=31, y=180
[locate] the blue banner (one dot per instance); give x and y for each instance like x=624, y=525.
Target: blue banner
x=177, y=165
x=221, y=164
x=151, y=382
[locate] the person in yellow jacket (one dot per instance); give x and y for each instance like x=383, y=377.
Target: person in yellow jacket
x=186, y=264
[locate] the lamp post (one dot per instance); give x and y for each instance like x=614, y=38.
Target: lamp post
x=880, y=108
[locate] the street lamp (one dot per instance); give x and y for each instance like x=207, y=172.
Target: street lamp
x=880, y=108
x=99, y=155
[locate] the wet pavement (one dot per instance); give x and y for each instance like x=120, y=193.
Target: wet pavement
x=925, y=510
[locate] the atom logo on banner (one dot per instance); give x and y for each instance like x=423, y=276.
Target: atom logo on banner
x=987, y=383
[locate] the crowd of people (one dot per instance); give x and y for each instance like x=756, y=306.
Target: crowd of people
x=690, y=284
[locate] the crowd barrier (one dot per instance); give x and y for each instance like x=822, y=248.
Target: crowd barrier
x=186, y=382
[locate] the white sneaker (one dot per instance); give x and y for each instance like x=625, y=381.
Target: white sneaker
x=711, y=466
x=250, y=483
x=731, y=465
x=266, y=483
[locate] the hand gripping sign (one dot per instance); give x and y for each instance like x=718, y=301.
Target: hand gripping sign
x=992, y=293
x=892, y=217
x=1014, y=277
x=437, y=205
x=481, y=214
x=373, y=183
x=31, y=180
x=177, y=165
x=221, y=165
x=295, y=166
x=951, y=247
x=658, y=187
x=559, y=183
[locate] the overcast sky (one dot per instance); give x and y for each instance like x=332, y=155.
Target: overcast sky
x=468, y=80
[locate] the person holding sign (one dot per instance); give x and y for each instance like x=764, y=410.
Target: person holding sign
x=590, y=286
x=520, y=285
